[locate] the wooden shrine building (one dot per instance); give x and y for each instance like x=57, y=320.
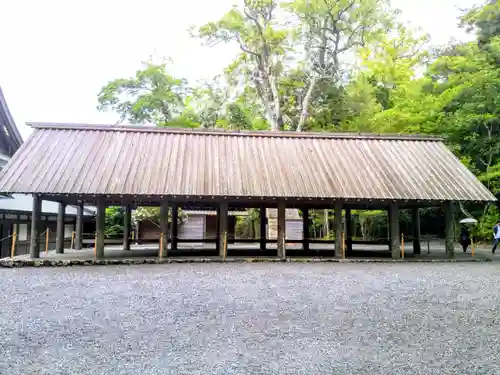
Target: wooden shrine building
x=217, y=170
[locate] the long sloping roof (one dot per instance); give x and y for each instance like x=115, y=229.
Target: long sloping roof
x=14, y=137
x=112, y=160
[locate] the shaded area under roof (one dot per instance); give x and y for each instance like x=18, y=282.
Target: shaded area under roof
x=126, y=161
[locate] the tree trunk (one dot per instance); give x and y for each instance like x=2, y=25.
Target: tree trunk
x=305, y=105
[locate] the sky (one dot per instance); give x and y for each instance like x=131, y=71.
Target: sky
x=55, y=55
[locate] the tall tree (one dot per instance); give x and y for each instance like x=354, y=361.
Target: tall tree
x=151, y=96
x=262, y=43
x=330, y=31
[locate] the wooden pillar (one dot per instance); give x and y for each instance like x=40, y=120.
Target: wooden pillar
x=338, y=229
x=175, y=226
x=305, y=229
x=281, y=237
x=60, y=229
x=395, y=240
x=79, y=226
x=163, y=250
x=36, y=224
x=127, y=222
x=348, y=230
x=5, y=245
x=100, y=224
x=222, y=219
x=415, y=222
x=449, y=230
x=263, y=231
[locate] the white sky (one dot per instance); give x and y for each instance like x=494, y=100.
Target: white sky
x=55, y=55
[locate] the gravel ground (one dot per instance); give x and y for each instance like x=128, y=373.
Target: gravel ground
x=251, y=319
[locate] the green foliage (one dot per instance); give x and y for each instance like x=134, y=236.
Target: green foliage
x=113, y=221
x=151, y=96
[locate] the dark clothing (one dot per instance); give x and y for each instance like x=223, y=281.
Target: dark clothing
x=465, y=239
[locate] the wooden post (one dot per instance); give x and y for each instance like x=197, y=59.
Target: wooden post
x=100, y=223
x=305, y=229
x=13, y=249
x=175, y=226
x=72, y=240
x=47, y=234
x=95, y=246
x=348, y=230
x=448, y=222
x=338, y=229
x=79, y=227
x=415, y=221
x=60, y=229
x=36, y=222
x=5, y=245
x=222, y=219
x=163, y=250
x=472, y=245
x=263, y=231
x=402, y=246
x=394, y=230
x=281, y=237
x=127, y=220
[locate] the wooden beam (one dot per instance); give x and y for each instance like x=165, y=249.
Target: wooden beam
x=60, y=229
x=163, y=250
x=79, y=226
x=175, y=226
x=415, y=221
x=305, y=229
x=263, y=231
x=36, y=223
x=100, y=224
x=127, y=223
x=338, y=229
x=449, y=230
x=222, y=219
x=281, y=230
x=395, y=239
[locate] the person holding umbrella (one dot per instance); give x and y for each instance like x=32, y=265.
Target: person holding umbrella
x=464, y=238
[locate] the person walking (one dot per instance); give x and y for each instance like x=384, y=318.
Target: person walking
x=464, y=238
x=496, y=236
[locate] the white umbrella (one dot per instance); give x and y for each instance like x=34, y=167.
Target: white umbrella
x=468, y=220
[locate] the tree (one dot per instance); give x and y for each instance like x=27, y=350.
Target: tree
x=151, y=96
x=329, y=30
x=262, y=43
x=114, y=222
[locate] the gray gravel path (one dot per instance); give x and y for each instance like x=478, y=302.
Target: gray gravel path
x=251, y=319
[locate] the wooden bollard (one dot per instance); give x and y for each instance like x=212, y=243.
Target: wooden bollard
x=225, y=247
x=472, y=244
x=402, y=246
x=47, y=241
x=13, y=248
x=72, y=239
x=95, y=246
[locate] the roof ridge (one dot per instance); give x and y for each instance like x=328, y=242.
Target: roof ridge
x=225, y=132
